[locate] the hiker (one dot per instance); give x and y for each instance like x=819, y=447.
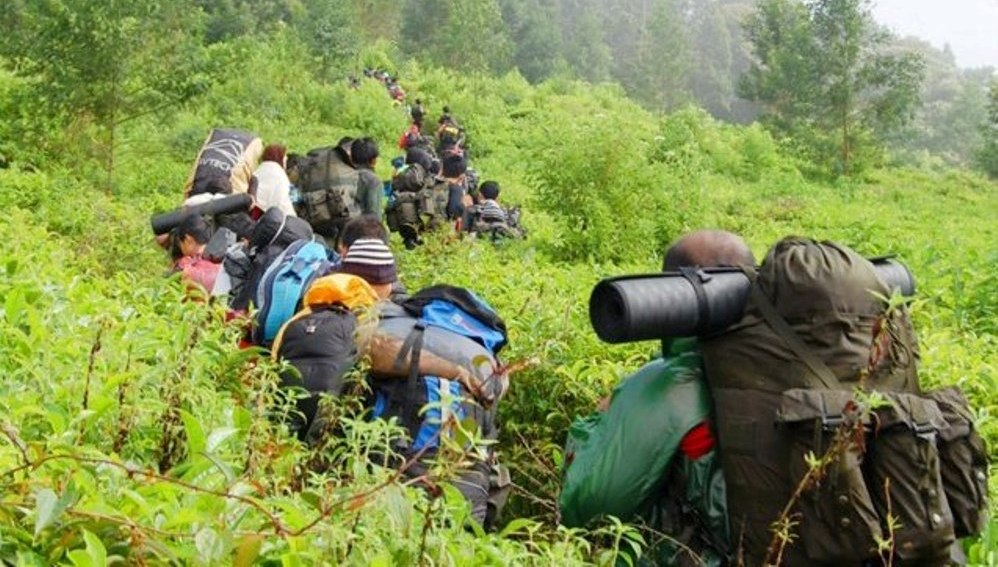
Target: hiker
x=413, y=138
x=368, y=227
x=411, y=197
x=455, y=325
x=417, y=113
x=190, y=239
x=787, y=381
x=445, y=117
x=320, y=342
x=372, y=260
x=453, y=171
x=648, y=453
x=487, y=217
x=491, y=211
x=328, y=183
x=364, y=153
x=273, y=184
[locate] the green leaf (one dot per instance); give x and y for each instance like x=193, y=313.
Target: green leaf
x=247, y=551
x=218, y=436
x=195, y=433
x=221, y=465
x=209, y=545
x=94, y=554
x=517, y=525
x=48, y=508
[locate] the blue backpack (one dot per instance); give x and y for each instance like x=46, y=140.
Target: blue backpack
x=457, y=325
x=283, y=285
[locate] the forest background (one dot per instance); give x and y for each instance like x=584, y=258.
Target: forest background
x=618, y=125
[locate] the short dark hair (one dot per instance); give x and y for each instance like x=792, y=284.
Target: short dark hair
x=489, y=190
x=454, y=165
x=363, y=226
x=193, y=225
x=363, y=151
x=420, y=156
x=708, y=248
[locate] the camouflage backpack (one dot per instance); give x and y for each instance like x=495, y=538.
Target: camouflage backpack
x=784, y=381
x=328, y=189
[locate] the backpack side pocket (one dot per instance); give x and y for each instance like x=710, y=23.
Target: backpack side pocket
x=904, y=477
x=839, y=523
x=963, y=463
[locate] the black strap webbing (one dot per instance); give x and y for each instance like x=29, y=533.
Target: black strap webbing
x=697, y=277
x=413, y=344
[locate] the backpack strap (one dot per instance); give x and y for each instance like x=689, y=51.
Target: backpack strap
x=697, y=278
x=776, y=322
x=413, y=344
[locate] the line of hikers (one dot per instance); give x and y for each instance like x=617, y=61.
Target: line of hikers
x=297, y=250
x=721, y=441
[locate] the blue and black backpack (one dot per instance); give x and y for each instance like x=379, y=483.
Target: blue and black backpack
x=279, y=294
x=457, y=325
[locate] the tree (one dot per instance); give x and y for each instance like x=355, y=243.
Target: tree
x=330, y=31
x=824, y=76
x=108, y=62
x=711, y=81
x=536, y=36
x=987, y=156
x=653, y=63
x=465, y=35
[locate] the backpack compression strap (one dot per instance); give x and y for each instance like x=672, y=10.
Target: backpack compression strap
x=413, y=344
x=697, y=277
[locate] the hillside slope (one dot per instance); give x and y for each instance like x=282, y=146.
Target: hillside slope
x=105, y=374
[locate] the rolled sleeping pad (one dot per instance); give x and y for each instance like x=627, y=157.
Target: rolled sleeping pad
x=656, y=306
x=165, y=222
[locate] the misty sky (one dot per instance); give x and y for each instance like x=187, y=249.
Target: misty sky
x=969, y=26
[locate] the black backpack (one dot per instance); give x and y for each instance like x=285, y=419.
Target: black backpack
x=320, y=345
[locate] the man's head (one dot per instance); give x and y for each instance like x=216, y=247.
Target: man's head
x=420, y=156
x=371, y=259
x=708, y=248
x=362, y=226
x=454, y=166
x=364, y=152
x=191, y=236
x=489, y=190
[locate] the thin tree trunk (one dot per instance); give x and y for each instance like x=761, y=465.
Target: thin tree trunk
x=845, y=140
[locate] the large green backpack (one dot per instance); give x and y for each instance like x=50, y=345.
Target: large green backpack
x=329, y=190
x=783, y=380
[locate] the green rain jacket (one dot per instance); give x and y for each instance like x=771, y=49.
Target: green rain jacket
x=625, y=462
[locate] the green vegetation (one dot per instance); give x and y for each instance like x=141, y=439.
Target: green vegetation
x=106, y=374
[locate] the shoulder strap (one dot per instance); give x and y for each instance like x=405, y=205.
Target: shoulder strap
x=410, y=407
x=776, y=322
